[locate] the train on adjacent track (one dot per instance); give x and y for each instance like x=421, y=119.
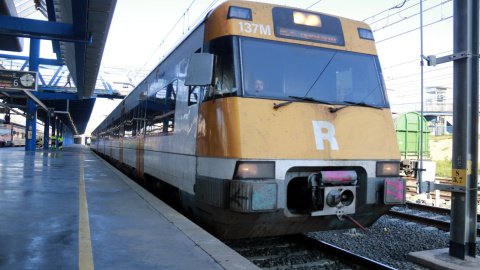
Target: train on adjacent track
x=264, y=120
x=12, y=134
x=412, y=146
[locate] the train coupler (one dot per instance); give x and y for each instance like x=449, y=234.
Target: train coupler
x=333, y=192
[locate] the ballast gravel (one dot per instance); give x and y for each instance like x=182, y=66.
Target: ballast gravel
x=389, y=241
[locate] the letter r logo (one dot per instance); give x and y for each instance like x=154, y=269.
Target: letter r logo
x=324, y=130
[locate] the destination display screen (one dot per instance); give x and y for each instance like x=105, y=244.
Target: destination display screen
x=18, y=80
x=300, y=25
x=308, y=35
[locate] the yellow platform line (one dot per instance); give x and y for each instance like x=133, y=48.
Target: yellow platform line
x=85, y=257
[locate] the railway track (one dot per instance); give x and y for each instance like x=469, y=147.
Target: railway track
x=445, y=196
x=300, y=251
x=427, y=215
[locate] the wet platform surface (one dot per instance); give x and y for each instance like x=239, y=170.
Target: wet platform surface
x=70, y=209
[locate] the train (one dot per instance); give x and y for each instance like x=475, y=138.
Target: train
x=13, y=134
x=409, y=132
x=264, y=120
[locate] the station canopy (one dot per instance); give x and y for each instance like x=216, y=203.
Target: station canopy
x=78, y=31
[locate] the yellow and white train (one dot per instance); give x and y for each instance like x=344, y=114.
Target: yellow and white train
x=264, y=120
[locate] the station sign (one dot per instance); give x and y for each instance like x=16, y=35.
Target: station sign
x=18, y=80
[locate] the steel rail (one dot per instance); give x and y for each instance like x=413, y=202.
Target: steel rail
x=442, y=225
x=433, y=209
x=343, y=255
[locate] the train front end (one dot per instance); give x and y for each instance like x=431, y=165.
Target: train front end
x=295, y=133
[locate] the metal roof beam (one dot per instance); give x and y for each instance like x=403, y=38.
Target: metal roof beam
x=11, y=108
x=53, y=18
x=29, y=28
x=43, y=61
x=79, y=27
x=30, y=95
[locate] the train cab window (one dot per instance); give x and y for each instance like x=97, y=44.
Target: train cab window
x=226, y=71
x=278, y=70
x=161, y=110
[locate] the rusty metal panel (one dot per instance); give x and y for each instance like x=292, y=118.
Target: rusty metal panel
x=240, y=196
x=264, y=196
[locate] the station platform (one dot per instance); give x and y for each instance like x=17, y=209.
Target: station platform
x=67, y=209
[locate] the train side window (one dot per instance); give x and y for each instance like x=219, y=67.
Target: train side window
x=226, y=71
x=128, y=124
x=194, y=94
x=161, y=110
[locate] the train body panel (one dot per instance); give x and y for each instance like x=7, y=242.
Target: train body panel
x=262, y=26
x=249, y=128
x=129, y=152
x=115, y=149
x=313, y=144
x=176, y=170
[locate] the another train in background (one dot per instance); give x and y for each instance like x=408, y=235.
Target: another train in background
x=13, y=134
x=409, y=130
x=265, y=120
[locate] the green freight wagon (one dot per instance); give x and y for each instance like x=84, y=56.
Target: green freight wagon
x=408, y=128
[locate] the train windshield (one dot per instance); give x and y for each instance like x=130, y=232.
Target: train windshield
x=285, y=71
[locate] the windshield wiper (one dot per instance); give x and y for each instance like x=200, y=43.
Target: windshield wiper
x=351, y=103
x=276, y=106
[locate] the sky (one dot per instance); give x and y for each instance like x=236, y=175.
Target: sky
x=143, y=31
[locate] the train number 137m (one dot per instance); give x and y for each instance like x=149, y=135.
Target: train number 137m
x=255, y=28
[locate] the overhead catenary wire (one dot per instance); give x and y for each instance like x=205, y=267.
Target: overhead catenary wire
x=411, y=16
x=401, y=7
x=434, y=79
x=391, y=15
x=185, y=13
x=413, y=60
x=411, y=30
x=414, y=82
x=416, y=74
x=314, y=4
x=387, y=10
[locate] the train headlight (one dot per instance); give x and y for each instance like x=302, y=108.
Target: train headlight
x=388, y=169
x=254, y=170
